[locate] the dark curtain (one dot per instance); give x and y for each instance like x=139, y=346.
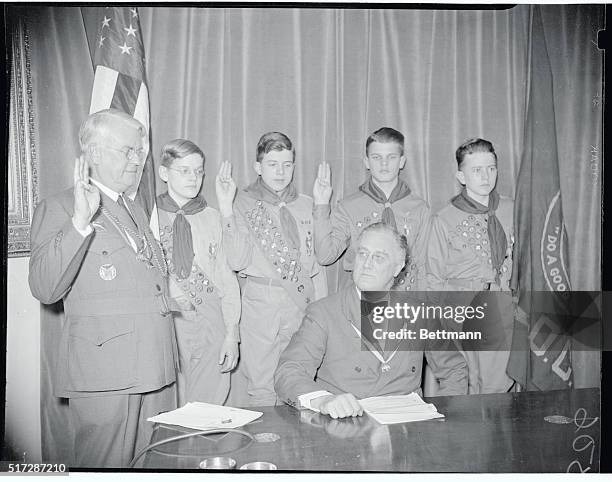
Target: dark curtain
x=327, y=78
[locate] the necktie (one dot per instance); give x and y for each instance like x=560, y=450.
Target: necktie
x=131, y=223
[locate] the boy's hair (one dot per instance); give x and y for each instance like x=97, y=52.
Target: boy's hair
x=386, y=134
x=273, y=141
x=177, y=149
x=472, y=146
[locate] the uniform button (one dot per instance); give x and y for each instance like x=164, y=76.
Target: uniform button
x=413, y=369
x=158, y=288
x=358, y=369
x=104, y=253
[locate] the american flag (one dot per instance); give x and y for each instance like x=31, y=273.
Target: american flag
x=120, y=82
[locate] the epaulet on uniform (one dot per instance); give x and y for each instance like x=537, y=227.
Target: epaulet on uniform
x=357, y=194
x=443, y=210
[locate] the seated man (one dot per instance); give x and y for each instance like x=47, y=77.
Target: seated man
x=324, y=367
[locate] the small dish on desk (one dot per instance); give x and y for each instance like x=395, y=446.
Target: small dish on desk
x=258, y=466
x=218, y=463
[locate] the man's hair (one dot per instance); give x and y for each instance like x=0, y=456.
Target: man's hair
x=95, y=127
x=177, y=149
x=273, y=141
x=400, y=240
x=386, y=134
x=472, y=146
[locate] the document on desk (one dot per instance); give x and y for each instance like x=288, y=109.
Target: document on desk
x=399, y=409
x=202, y=416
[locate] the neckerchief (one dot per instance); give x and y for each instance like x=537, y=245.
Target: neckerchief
x=400, y=191
x=182, y=251
x=495, y=230
x=259, y=190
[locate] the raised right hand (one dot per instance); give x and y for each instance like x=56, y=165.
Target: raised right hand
x=86, y=195
x=338, y=406
x=225, y=188
x=322, y=189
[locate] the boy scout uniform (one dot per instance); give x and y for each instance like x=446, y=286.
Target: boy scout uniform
x=212, y=295
x=278, y=284
x=333, y=235
x=459, y=259
x=117, y=350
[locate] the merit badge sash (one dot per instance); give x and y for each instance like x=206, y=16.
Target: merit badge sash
x=277, y=251
x=198, y=287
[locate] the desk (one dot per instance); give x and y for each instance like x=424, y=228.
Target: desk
x=481, y=433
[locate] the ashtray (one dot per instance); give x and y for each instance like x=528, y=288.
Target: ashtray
x=218, y=463
x=258, y=466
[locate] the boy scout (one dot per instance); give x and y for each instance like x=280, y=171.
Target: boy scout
x=470, y=249
x=383, y=197
x=93, y=249
x=268, y=239
x=201, y=283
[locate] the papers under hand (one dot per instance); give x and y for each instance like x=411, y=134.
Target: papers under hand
x=399, y=409
x=201, y=416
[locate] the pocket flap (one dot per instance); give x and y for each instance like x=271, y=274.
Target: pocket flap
x=106, y=244
x=100, y=330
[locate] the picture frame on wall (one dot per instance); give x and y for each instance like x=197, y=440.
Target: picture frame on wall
x=22, y=188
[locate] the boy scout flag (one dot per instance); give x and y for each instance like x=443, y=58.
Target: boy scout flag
x=541, y=350
x=120, y=83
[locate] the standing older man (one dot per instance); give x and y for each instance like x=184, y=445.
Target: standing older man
x=324, y=367
x=91, y=247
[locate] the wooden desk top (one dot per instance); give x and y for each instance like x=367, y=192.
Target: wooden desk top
x=481, y=433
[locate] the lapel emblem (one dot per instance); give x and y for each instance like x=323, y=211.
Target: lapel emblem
x=107, y=272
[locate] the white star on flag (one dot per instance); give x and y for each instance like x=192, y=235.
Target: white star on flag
x=106, y=22
x=125, y=49
x=130, y=31
x=134, y=14
x=101, y=43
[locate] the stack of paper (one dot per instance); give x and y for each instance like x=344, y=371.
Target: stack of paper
x=399, y=409
x=201, y=416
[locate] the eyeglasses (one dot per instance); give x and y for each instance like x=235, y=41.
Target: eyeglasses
x=130, y=153
x=185, y=171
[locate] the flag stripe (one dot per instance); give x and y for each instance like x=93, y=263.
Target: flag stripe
x=103, y=88
x=141, y=112
x=126, y=93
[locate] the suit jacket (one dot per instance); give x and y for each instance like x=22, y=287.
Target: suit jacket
x=326, y=354
x=115, y=338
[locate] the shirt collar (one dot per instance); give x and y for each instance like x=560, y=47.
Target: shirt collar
x=106, y=190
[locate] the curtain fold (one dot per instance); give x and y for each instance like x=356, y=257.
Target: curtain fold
x=62, y=75
x=327, y=78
